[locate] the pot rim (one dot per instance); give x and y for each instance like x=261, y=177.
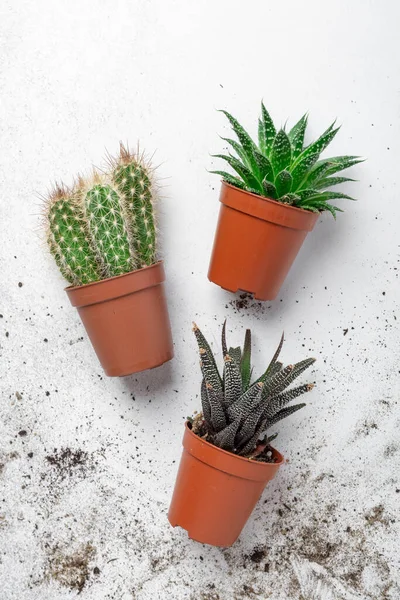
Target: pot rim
x=268, y=209
x=228, y=461
x=117, y=286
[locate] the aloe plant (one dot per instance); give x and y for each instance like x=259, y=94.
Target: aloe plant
x=104, y=226
x=236, y=411
x=283, y=168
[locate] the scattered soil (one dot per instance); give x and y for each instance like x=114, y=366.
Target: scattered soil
x=246, y=301
x=377, y=515
x=71, y=570
x=66, y=462
x=258, y=555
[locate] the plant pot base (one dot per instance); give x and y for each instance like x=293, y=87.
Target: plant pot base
x=237, y=290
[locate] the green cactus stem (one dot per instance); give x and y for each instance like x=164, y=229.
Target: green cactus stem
x=69, y=240
x=105, y=214
x=133, y=181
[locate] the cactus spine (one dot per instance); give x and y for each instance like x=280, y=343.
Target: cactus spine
x=104, y=226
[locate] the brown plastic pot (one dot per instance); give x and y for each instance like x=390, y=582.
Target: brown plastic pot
x=256, y=242
x=126, y=319
x=216, y=491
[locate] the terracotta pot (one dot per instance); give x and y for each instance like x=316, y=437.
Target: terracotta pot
x=126, y=319
x=216, y=491
x=256, y=242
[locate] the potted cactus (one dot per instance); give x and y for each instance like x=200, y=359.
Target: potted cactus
x=227, y=458
x=102, y=235
x=271, y=203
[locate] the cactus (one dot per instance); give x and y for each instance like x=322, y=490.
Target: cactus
x=133, y=181
x=104, y=226
x=236, y=413
x=69, y=240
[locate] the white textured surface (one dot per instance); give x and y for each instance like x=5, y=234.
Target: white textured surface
x=76, y=77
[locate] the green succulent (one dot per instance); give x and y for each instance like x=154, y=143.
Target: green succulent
x=104, y=226
x=236, y=411
x=283, y=168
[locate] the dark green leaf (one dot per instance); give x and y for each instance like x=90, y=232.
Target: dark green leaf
x=242, y=170
x=283, y=183
x=299, y=173
x=310, y=208
x=231, y=179
x=305, y=194
x=266, y=131
x=264, y=166
x=281, y=152
x=296, y=136
x=330, y=181
x=291, y=199
x=247, y=143
x=340, y=163
x=269, y=189
x=319, y=145
x=317, y=172
x=328, y=195
x=238, y=149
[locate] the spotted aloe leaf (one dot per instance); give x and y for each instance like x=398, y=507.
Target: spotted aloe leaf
x=296, y=136
x=281, y=166
x=245, y=140
x=266, y=131
x=231, y=179
x=241, y=169
x=283, y=183
x=281, y=152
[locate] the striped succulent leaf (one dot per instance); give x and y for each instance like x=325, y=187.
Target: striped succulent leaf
x=235, y=410
x=281, y=164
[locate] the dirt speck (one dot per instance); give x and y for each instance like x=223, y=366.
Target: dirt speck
x=71, y=570
x=66, y=461
x=377, y=515
x=258, y=555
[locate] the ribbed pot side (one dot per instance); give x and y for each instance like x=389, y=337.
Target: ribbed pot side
x=256, y=242
x=216, y=491
x=126, y=319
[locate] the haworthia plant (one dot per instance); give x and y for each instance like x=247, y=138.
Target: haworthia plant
x=236, y=412
x=104, y=226
x=283, y=168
